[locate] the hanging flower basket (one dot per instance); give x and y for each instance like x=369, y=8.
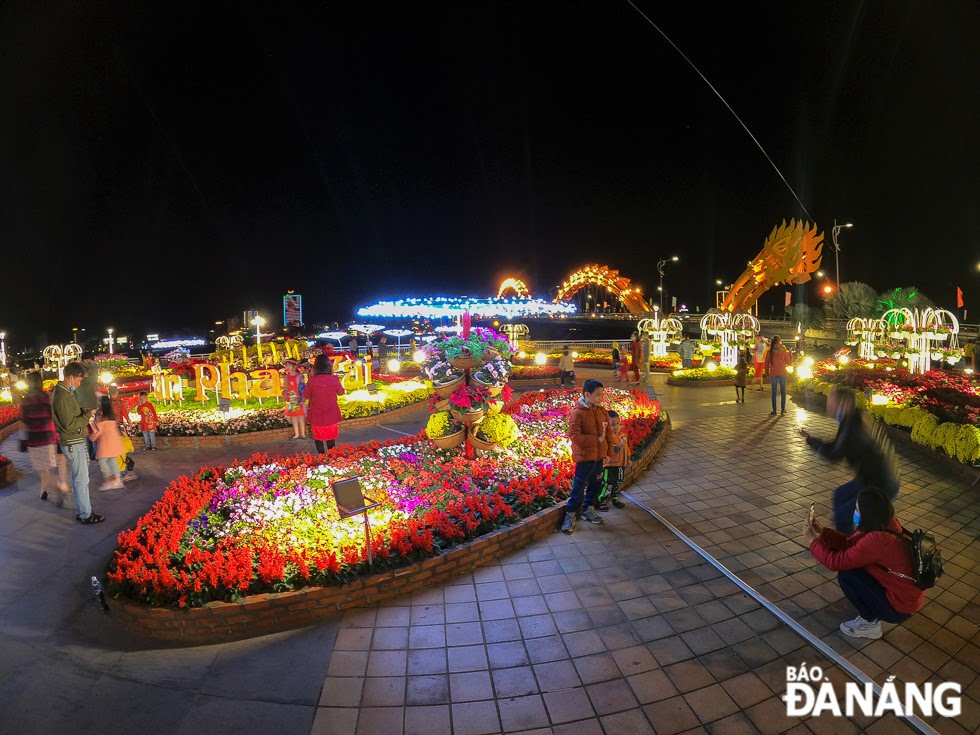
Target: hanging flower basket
x=490, y=388
x=937, y=355
x=451, y=441
x=467, y=417
x=897, y=335
x=897, y=355
x=445, y=389
x=464, y=363
x=480, y=443
x=940, y=336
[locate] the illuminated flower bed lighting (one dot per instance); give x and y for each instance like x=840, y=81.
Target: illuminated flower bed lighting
x=273, y=525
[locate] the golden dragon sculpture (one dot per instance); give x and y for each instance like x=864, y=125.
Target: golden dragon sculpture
x=790, y=254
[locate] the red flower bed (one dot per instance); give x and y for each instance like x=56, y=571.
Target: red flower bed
x=8, y=415
x=525, y=372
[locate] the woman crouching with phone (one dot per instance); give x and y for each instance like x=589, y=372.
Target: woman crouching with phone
x=873, y=565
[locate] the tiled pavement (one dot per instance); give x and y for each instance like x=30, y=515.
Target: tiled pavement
x=618, y=628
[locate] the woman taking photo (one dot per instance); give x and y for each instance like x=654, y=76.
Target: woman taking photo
x=873, y=565
x=323, y=413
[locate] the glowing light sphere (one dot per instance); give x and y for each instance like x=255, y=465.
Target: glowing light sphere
x=394, y=366
x=879, y=400
x=540, y=358
x=21, y=385
x=710, y=367
x=808, y=362
x=843, y=359
x=5, y=394
x=804, y=372
x=106, y=378
x=790, y=369
x=418, y=356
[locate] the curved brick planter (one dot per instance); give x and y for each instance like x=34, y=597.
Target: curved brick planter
x=9, y=429
x=253, y=437
x=700, y=383
x=218, y=622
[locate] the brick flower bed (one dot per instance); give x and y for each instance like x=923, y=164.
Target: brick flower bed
x=256, y=615
x=255, y=437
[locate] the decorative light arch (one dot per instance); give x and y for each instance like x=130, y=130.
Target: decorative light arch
x=732, y=330
x=920, y=329
x=661, y=331
x=601, y=275
x=515, y=286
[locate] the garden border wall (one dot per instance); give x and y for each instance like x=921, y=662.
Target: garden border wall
x=218, y=622
x=700, y=383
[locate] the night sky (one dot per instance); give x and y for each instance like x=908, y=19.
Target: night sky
x=166, y=165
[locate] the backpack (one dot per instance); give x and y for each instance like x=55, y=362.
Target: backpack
x=927, y=558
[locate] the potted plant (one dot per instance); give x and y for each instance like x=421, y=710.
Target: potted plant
x=492, y=375
x=445, y=431
x=444, y=377
x=468, y=403
x=497, y=429
x=7, y=470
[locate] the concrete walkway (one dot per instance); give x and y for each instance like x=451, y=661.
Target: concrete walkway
x=619, y=628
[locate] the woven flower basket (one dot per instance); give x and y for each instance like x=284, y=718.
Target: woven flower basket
x=467, y=417
x=493, y=390
x=444, y=390
x=450, y=441
x=441, y=406
x=464, y=363
x=480, y=443
x=7, y=473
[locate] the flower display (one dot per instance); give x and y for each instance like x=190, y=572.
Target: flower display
x=941, y=409
x=494, y=372
x=243, y=417
x=4, y=459
x=442, y=423
x=499, y=428
x=696, y=375
x=272, y=525
x=522, y=372
x=9, y=415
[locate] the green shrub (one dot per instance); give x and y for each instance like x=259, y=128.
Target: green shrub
x=892, y=414
x=923, y=429
x=861, y=401
x=910, y=416
x=968, y=444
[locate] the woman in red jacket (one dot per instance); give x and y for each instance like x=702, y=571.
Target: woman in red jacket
x=777, y=359
x=321, y=393
x=873, y=565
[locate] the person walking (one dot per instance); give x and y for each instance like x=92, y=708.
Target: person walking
x=352, y=346
x=759, y=359
x=741, y=371
x=776, y=360
x=615, y=357
x=566, y=366
x=71, y=422
x=323, y=413
x=105, y=433
x=635, y=356
x=42, y=439
x=873, y=565
x=645, y=356
x=869, y=452
x=587, y=427
x=383, y=354
x=292, y=390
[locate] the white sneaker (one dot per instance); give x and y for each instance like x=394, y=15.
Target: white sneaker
x=861, y=628
x=130, y=476
x=115, y=485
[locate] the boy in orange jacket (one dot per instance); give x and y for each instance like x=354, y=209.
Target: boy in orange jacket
x=614, y=465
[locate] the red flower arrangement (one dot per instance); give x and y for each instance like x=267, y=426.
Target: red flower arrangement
x=9, y=415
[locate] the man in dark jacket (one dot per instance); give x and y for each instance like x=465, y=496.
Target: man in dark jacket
x=587, y=430
x=869, y=452
x=87, y=398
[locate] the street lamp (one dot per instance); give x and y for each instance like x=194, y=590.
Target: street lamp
x=110, y=340
x=660, y=269
x=834, y=233
x=3, y=349
x=74, y=335
x=258, y=322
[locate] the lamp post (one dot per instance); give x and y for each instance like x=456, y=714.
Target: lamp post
x=3, y=349
x=74, y=335
x=258, y=321
x=110, y=340
x=834, y=233
x=660, y=269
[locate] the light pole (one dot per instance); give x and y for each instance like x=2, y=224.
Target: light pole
x=258, y=322
x=3, y=349
x=110, y=339
x=660, y=269
x=834, y=233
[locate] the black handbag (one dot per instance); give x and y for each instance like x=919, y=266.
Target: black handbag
x=23, y=445
x=130, y=464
